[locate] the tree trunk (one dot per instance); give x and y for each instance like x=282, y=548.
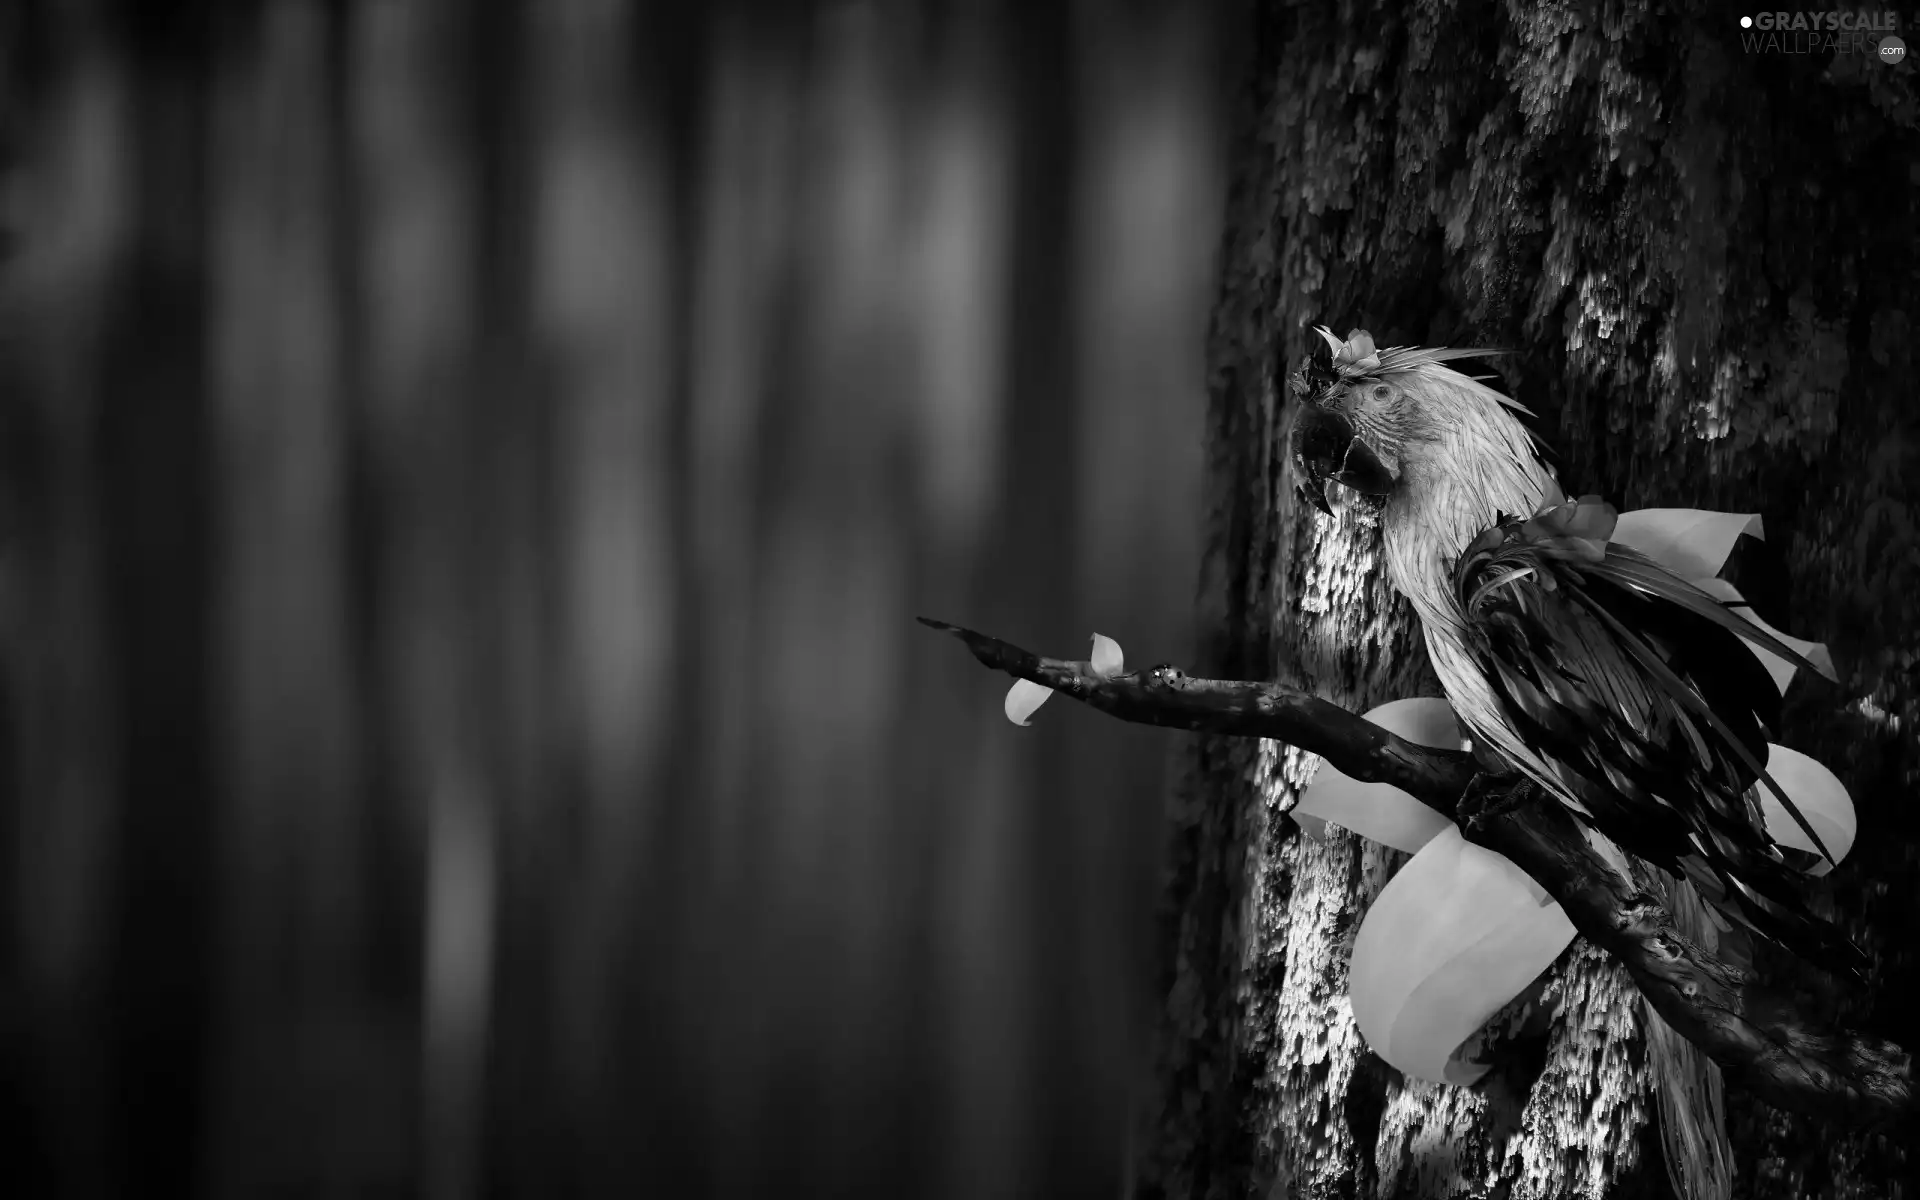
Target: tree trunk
x=1690, y=246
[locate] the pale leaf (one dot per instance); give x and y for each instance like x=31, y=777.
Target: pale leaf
x=1381, y=812
x=1455, y=935
x=1821, y=798
x=1024, y=698
x=1693, y=543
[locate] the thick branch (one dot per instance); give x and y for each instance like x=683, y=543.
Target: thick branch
x=1758, y=1038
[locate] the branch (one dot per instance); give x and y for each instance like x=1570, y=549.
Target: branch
x=1167, y=697
x=1757, y=1037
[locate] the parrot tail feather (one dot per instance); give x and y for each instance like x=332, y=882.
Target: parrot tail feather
x=1688, y=1090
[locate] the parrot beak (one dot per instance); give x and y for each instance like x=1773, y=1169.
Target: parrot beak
x=1326, y=450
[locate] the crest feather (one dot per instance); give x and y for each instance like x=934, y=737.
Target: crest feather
x=1398, y=359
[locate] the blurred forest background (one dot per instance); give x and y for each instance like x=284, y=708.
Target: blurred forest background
x=467, y=474
x=468, y=471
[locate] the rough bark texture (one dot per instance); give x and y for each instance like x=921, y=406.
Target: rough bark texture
x=1694, y=250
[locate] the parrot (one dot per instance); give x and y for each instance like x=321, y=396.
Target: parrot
x=1575, y=665
x=1579, y=668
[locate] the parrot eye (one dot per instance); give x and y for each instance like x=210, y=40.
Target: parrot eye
x=1381, y=392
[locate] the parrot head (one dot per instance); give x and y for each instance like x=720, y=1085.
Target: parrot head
x=1343, y=425
x=1370, y=418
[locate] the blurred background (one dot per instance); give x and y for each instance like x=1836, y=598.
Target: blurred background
x=467, y=475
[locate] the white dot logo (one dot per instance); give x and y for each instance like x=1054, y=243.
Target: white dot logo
x=1892, y=49
x=1746, y=22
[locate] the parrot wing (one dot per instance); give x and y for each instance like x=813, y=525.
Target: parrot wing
x=1634, y=688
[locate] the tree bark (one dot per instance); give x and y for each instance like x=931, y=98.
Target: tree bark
x=1632, y=201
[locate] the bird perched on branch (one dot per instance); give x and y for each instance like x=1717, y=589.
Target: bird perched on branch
x=1581, y=669
x=1585, y=668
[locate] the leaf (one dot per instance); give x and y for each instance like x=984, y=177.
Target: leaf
x=1693, y=543
x=1024, y=699
x=1457, y=934
x=1356, y=356
x=1376, y=811
x=1821, y=798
